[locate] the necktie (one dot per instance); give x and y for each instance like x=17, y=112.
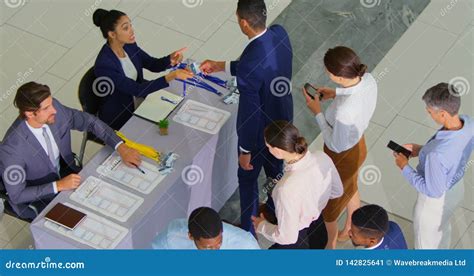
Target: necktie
x=49, y=146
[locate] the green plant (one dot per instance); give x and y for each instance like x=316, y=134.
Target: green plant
x=163, y=123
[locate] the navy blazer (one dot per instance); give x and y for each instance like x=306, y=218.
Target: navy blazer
x=25, y=167
x=117, y=107
x=393, y=239
x=266, y=61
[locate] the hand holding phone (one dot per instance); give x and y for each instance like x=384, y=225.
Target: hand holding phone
x=308, y=87
x=398, y=149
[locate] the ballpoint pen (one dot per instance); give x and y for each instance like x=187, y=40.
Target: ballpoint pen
x=138, y=168
x=163, y=98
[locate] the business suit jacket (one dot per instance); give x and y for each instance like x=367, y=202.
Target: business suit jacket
x=22, y=156
x=265, y=62
x=117, y=107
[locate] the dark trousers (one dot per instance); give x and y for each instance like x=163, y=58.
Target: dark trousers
x=248, y=185
x=314, y=236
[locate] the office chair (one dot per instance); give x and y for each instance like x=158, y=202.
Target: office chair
x=90, y=103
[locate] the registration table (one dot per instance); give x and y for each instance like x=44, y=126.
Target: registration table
x=205, y=174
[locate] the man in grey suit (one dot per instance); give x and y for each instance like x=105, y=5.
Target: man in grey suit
x=36, y=160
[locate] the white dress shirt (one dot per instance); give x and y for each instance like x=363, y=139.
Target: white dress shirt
x=348, y=116
x=128, y=67
x=301, y=195
x=38, y=133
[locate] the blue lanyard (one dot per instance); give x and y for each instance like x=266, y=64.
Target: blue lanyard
x=201, y=84
x=215, y=80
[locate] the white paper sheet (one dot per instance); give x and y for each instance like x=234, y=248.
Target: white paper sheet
x=106, y=199
x=115, y=169
x=201, y=117
x=154, y=109
x=95, y=231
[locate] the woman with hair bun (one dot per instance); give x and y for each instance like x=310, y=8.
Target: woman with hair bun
x=342, y=126
x=120, y=64
x=309, y=181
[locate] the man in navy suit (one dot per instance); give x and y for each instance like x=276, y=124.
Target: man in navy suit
x=264, y=81
x=36, y=160
x=371, y=229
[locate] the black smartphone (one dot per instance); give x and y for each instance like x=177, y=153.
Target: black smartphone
x=399, y=149
x=308, y=87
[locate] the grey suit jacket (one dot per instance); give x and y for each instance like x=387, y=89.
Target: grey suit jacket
x=25, y=168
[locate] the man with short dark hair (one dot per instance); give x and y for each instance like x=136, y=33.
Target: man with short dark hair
x=204, y=230
x=371, y=229
x=36, y=160
x=442, y=164
x=264, y=81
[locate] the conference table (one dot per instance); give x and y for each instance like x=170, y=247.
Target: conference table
x=205, y=174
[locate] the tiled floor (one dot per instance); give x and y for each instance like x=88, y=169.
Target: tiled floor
x=436, y=47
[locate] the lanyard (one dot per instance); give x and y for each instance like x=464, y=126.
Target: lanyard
x=201, y=84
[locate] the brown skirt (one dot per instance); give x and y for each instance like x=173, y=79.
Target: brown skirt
x=347, y=164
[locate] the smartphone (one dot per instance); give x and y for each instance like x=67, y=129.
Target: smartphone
x=399, y=149
x=308, y=87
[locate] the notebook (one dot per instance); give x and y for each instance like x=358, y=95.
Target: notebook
x=158, y=105
x=65, y=216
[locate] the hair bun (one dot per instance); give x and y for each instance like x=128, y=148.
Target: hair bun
x=362, y=69
x=99, y=16
x=301, y=145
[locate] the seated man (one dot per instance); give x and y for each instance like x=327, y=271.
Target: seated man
x=204, y=230
x=371, y=229
x=36, y=160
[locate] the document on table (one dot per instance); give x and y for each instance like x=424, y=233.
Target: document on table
x=158, y=105
x=201, y=117
x=106, y=199
x=95, y=231
x=115, y=169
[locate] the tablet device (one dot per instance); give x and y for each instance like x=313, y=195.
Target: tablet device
x=65, y=216
x=399, y=149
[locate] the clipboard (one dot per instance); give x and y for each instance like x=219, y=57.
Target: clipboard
x=158, y=106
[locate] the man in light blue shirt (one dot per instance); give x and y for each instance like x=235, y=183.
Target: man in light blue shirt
x=204, y=230
x=442, y=163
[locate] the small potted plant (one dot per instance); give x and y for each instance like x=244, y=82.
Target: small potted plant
x=163, y=125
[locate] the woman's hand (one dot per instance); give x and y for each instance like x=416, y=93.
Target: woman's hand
x=328, y=93
x=177, y=56
x=181, y=74
x=313, y=105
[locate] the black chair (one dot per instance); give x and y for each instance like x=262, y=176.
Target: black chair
x=90, y=103
x=8, y=208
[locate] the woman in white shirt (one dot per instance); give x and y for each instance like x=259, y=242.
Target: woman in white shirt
x=342, y=126
x=310, y=179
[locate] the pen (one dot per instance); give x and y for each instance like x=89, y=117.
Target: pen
x=163, y=98
x=138, y=168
